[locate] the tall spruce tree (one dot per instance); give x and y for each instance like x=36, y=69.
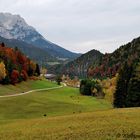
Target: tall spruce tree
x=37, y=71
x=133, y=97
x=122, y=86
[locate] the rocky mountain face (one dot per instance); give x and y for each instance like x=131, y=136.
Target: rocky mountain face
x=15, y=27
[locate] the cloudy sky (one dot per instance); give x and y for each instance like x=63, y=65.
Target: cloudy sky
x=81, y=25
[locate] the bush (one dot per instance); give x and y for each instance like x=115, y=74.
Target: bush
x=91, y=88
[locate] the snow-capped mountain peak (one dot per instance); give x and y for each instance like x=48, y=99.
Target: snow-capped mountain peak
x=15, y=27
x=8, y=20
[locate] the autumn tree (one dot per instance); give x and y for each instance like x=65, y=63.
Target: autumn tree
x=15, y=66
x=24, y=75
x=43, y=71
x=14, y=77
x=32, y=68
x=2, y=71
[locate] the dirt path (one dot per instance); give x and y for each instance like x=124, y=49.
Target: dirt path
x=36, y=90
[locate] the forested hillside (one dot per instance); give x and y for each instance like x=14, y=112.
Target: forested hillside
x=97, y=65
x=37, y=54
x=79, y=66
x=111, y=63
x=15, y=66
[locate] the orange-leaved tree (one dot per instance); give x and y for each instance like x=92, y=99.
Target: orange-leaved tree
x=2, y=71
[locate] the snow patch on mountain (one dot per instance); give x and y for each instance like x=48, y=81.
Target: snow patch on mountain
x=15, y=27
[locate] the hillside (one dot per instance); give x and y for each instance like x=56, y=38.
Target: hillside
x=29, y=50
x=79, y=66
x=15, y=27
x=98, y=65
x=56, y=102
x=25, y=86
x=111, y=63
x=15, y=66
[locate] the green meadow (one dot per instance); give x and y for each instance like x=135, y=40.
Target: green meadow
x=62, y=114
x=25, y=86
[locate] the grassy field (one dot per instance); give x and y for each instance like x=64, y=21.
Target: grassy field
x=62, y=114
x=122, y=124
x=25, y=86
x=52, y=103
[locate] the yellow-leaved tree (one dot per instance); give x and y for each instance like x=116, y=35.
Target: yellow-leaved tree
x=2, y=71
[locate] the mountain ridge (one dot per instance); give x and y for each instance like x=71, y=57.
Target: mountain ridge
x=15, y=27
x=79, y=66
x=104, y=65
x=27, y=49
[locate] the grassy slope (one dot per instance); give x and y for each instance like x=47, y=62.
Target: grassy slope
x=25, y=86
x=53, y=103
x=106, y=125
x=22, y=117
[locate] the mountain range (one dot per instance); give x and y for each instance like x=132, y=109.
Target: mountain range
x=14, y=29
x=98, y=65
x=15, y=32
x=111, y=63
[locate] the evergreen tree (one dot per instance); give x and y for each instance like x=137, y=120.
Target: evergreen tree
x=37, y=71
x=82, y=86
x=58, y=79
x=122, y=86
x=118, y=95
x=85, y=87
x=133, y=97
x=2, y=44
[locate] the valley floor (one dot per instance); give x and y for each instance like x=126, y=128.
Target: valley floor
x=63, y=114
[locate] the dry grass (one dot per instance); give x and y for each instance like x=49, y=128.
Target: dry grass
x=123, y=124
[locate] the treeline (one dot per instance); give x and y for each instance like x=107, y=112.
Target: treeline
x=15, y=66
x=127, y=92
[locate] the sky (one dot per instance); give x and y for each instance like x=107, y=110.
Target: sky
x=81, y=25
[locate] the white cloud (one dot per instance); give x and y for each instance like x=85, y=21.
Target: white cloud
x=81, y=25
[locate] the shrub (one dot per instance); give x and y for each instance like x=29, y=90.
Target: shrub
x=91, y=88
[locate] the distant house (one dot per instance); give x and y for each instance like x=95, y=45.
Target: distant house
x=51, y=77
